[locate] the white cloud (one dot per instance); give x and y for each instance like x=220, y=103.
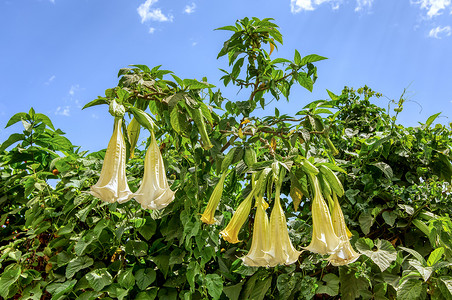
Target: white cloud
x=73, y=89
x=63, y=111
x=52, y=1
x=194, y=44
x=189, y=9
x=147, y=13
x=151, y=30
x=440, y=32
x=49, y=81
x=433, y=7
x=361, y=4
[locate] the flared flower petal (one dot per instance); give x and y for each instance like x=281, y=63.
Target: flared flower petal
x=345, y=253
x=324, y=239
x=112, y=184
x=231, y=232
x=154, y=192
x=281, y=249
x=257, y=256
x=209, y=213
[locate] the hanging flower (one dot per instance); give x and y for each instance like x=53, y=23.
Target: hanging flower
x=231, y=232
x=324, y=239
x=209, y=213
x=154, y=192
x=345, y=253
x=281, y=249
x=112, y=184
x=257, y=256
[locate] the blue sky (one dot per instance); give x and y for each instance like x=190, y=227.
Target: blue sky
x=57, y=55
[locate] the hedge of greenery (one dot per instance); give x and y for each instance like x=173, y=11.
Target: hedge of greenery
x=335, y=201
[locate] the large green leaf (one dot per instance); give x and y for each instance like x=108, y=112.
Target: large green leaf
x=8, y=278
x=330, y=286
x=382, y=253
x=214, y=284
x=351, y=286
x=77, y=264
x=411, y=289
x=144, y=277
x=99, y=278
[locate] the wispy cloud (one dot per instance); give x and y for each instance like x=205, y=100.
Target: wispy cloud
x=363, y=4
x=189, y=9
x=147, y=13
x=52, y=1
x=73, y=89
x=440, y=32
x=194, y=43
x=151, y=30
x=49, y=81
x=63, y=111
x=297, y=6
x=433, y=7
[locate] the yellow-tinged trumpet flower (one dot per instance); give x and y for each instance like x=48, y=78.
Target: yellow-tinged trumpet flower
x=281, y=249
x=209, y=213
x=154, y=192
x=344, y=254
x=231, y=232
x=112, y=184
x=324, y=239
x=257, y=256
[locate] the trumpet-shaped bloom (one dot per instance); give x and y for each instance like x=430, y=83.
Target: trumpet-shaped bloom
x=257, y=256
x=281, y=249
x=344, y=254
x=324, y=239
x=112, y=184
x=154, y=192
x=231, y=232
x=209, y=213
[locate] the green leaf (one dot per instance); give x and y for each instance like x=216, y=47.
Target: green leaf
x=287, y=284
x=297, y=58
x=99, y=278
x=385, y=168
x=260, y=289
x=193, y=270
x=147, y=295
x=430, y=120
x=280, y=60
x=214, y=285
x=233, y=291
x=382, y=256
x=310, y=59
x=411, y=289
x=351, y=286
x=142, y=117
x=144, y=277
x=137, y=248
x=425, y=272
x=8, y=279
x=230, y=28
x=97, y=101
x=435, y=256
x=331, y=286
x=44, y=119
x=162, y=262
x=416, y=254
x=366, y=221
x=13, y=138
x=305, y=81
x=16, y=118
x=77, y=264
x=446, y=286
x=389, y=217
x=126, y=278
x=59, y=289
x=143, y=68
x=148, y=229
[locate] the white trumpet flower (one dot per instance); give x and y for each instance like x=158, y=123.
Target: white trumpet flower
x=281, y=249
x=344, y=254
x=324, y=239
x=154, y=192
x=112, y=184
x=257, y=256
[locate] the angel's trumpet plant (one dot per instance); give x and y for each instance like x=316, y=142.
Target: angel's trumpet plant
x=208, y=215
x=324, y=239
x=257, y=256
x=154, y=192
x=112, y=184
x=344, y=254
x=281, y=249
x=231, y=232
